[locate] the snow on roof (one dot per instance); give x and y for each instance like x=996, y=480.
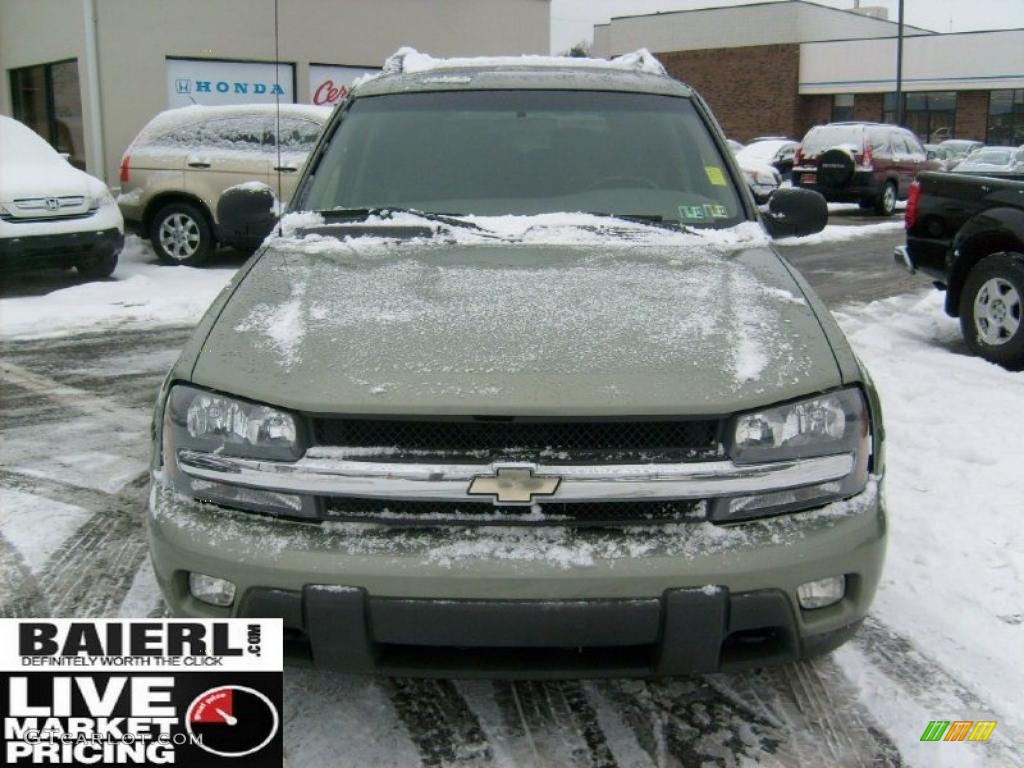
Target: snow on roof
x=410, y=61
x=180, y=116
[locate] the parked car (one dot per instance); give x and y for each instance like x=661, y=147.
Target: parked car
x=868, y=163
x=443, y=425
x=994, y=161
x=952, y=151
x=967, y=235
x=173, y=173
x=51, y=213
x=778, y=153
x=761, y=177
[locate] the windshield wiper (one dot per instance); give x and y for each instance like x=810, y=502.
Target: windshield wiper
x=386, y=212
x=652, y=219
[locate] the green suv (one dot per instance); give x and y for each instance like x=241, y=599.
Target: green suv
x=520, y=387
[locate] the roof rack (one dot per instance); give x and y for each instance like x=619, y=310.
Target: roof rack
x=410, y=61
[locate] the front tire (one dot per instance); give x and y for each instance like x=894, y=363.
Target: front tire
x=991, y=308
x=885, y=204
x=98, y=267
x=181, y=234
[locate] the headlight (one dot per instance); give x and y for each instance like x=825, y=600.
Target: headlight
x=214, y=423
x=825, y=425
x=818, y=426
x=102, y=199
x=208, y=422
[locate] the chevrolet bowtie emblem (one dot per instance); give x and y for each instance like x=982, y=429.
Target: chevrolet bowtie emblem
x=513, y=485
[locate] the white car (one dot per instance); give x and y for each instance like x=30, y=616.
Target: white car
x=51, y=213
x=761, y=177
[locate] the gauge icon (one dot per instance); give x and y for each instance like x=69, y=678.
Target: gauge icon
x=232, y=721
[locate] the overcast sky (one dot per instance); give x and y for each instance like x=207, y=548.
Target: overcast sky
x=573, y=20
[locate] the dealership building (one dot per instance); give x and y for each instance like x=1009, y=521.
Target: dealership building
x=88, y=74
x=778, y=68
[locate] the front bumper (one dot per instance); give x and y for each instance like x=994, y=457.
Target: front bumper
x=65, y=249
x=529, y=601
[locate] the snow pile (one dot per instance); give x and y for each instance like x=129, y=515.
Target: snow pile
x=141, y=293
x=410, y=61
x=954, y=578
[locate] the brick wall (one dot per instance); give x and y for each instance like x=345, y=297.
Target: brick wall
x=868, y=107
x=972, y=115
x=752, y=90
x=814, y=110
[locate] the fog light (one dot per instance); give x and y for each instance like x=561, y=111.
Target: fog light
x=210, y=589
x=821, y=593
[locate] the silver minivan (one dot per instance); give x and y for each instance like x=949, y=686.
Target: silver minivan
x=175, y=170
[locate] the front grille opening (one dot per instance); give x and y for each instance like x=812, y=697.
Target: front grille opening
x=760, y=646
x=602, y=660
x=415, y=513
x=550, y=441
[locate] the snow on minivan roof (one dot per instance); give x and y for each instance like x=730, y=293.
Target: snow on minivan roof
x=170, y=119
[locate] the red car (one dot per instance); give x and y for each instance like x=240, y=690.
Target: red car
x=868, y=163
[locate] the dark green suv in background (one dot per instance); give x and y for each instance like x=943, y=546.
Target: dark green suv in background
x=521, y=387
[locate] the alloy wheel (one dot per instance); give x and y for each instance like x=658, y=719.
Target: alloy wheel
x=179, y=236
x=997, y=311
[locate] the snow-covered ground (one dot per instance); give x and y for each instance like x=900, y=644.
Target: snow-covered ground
x=954, y=578
x=943, y=643
x=141, y=293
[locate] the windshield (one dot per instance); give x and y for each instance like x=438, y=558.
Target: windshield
x=527, y=152
x=827, y=136
x=991, y=157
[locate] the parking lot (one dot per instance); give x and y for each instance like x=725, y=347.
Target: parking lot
x=73, y=483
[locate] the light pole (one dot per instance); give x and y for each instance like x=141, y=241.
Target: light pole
x=899, y=68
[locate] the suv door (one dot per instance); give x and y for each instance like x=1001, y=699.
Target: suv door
x=298, y=137
x=228, y=151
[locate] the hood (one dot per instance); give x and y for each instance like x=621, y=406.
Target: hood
x=57, y=179
x=29, y=167
x=602, y=324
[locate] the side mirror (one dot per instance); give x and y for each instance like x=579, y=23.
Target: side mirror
x=246, y=214
x=796, y=212
x=931, y=154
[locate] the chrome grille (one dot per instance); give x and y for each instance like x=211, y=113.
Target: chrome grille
x=575, y=442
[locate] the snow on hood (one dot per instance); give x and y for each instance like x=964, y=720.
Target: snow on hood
x=29, y=167
x=516, y=316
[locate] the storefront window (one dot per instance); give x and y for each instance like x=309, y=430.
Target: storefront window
x=931, y=114
x=842, y=107
x=48, y=100
x=1006, y=117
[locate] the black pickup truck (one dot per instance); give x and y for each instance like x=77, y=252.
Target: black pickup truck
x=967, y=234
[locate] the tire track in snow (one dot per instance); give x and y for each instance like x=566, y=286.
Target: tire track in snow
x=885, y=660
x=92, y=571
x=20, y=593
x=440, y=723
x=557, y=720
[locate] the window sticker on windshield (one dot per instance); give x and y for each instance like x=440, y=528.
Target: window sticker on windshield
x=715, y=175
x=703, y=212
